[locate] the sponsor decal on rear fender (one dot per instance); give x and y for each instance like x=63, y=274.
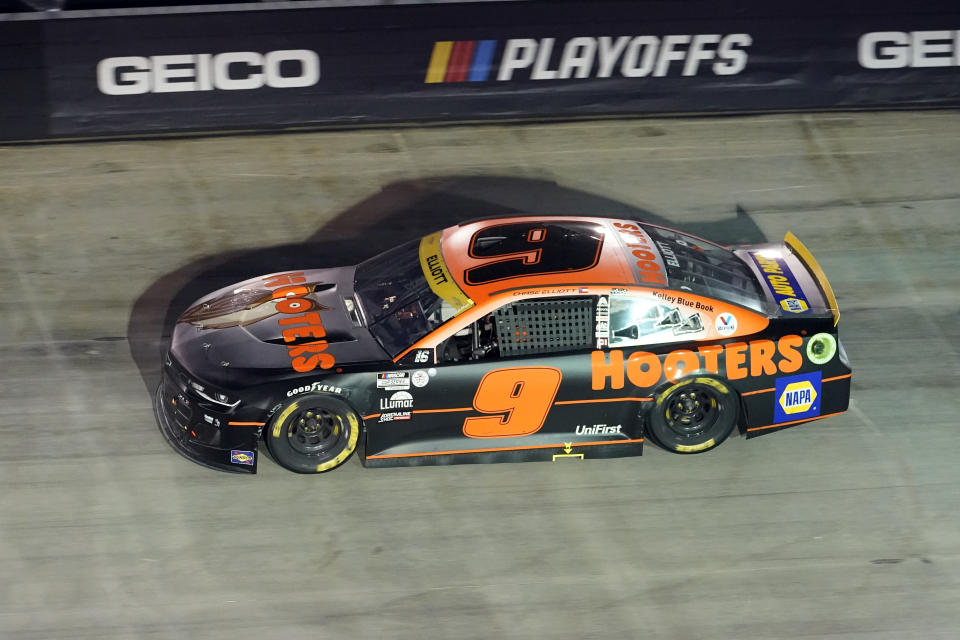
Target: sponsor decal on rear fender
x=797, y=397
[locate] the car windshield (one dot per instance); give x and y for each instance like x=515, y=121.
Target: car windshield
x=397, y=300
x=706, y=269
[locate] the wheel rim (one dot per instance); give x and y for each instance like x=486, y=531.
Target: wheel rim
x=314, y=431
x=692, y=411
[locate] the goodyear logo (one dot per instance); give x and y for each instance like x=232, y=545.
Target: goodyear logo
x=241, y=457
x=782, y=283
x=798, y=397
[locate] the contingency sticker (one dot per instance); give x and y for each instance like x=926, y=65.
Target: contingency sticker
x=241, y=457
x=798, y=397
x=393, y=380
x=725, y=323
x=782, y=283
x=603, y=322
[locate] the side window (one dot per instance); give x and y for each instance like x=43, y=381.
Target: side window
x=476, y=341
x=641, y=320
x=525, y=327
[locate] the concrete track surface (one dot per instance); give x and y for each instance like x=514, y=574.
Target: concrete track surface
x=844, y=528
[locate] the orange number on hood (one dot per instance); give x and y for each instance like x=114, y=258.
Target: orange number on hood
x=521, y=396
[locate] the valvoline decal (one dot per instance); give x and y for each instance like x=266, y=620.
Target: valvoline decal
x=797, y=397
x=782, y=283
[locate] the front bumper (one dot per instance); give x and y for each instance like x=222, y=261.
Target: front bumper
x=201, y=433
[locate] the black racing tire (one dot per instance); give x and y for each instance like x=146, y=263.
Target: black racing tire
x=694, y=415
x=313, y=433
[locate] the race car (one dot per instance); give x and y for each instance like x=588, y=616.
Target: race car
x=507, y=339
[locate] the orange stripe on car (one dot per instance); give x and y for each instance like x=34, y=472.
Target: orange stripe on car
x=246, y=424
x=750, y=393
x=846, y=375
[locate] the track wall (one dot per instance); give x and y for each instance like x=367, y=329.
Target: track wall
x=113, y=74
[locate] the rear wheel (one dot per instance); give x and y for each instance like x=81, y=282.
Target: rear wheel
x=313, y=433
x=694, y=415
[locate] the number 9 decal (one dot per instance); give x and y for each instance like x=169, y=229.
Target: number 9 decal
x=520, y=397
x=533, y=249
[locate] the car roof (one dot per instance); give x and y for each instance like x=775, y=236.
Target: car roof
x=628, y=260
x=623, y=258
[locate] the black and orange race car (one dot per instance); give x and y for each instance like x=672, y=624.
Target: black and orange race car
x=508, y=339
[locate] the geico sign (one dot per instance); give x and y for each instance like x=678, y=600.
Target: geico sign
x=899, y=49
x=231, y=71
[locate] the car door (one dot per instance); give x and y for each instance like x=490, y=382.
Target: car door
x=513, y=385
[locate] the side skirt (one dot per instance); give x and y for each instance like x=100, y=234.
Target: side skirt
x=547, y=453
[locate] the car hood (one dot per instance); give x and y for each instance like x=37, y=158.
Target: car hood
x=235, y=337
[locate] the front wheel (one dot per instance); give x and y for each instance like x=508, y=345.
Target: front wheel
x=313, y=433
x=694, y=415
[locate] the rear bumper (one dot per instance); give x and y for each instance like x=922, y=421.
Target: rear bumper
x=831, y=384
x=192, y=431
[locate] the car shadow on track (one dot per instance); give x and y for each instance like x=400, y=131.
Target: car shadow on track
x=399, y=212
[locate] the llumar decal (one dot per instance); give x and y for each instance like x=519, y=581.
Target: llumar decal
x=438, y=276
x=740, y=360
x=782, y=283
x=642, y=254
x=299, y=321
x=519, y=399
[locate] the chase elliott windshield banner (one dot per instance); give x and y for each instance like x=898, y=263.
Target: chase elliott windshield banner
x=295, y=65
x=438, y=276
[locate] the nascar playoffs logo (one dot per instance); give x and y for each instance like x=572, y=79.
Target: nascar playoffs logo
x=587, y=57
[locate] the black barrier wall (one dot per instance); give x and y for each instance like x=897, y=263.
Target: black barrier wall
x=95, y=75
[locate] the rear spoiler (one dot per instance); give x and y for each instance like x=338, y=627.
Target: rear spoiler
x=816, y=271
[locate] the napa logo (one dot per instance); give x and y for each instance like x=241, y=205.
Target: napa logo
x=797, y=397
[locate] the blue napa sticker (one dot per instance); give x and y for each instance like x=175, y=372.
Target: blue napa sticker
x=797, y=397
x=782, y=283
x=241, y=457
